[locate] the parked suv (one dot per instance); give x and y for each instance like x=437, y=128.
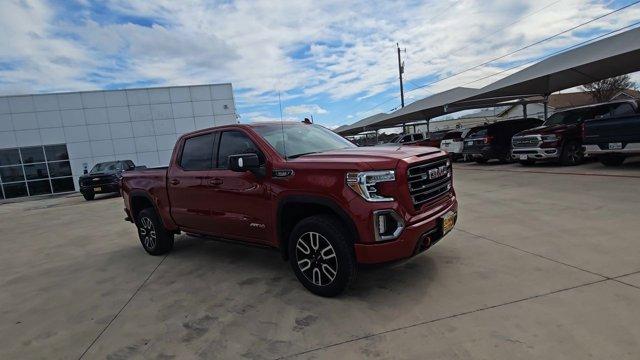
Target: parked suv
x=326, y=204
x=560, y=138
x=493, y=141
x=615, y=137
x=104, y=178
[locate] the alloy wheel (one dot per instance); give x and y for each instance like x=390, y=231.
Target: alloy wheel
x=147, y=233
x=316, y=258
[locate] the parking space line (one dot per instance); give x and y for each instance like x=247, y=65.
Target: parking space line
x=122, y=308
x=550, y=172
x=441, y=318
x=532, y=253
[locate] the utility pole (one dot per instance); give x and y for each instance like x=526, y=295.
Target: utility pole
x=400, y=72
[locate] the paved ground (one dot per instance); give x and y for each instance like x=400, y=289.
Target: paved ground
x=543, y=264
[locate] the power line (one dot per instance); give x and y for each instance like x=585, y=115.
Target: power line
x=528, y=46
x=554, y=53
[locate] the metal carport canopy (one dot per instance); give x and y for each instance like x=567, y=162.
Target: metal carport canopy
x=360, y=126
x=602, y=59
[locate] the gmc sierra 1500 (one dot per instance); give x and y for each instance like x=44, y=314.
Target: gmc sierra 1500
x=326, y=204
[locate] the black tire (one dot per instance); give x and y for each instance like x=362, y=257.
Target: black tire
x=506, y=158
x=149, y=225
x=332, y=254
x=89, y=195
x=527, y=162
x=572, y=154
x=612, y=160
x=481, y=160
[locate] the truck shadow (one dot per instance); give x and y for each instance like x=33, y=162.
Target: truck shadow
x=249, y=265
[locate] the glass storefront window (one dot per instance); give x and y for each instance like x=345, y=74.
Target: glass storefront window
x=59, y=169
x=15, y=190
x=36, y=171
x=56, y=152
x=32, y=154
x=11, y=173
x=9, y=157
x=39, y=187
x=62, y=184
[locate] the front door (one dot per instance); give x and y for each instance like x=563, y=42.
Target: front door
x=241, y=207
x=189, y=185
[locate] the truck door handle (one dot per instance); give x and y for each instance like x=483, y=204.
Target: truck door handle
x=216, y=181
x=174, y=181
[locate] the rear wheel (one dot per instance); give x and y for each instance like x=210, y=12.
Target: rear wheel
x=155, y=239
x=572, y=154
x=506, y=158
x=612, y=160
x=321, y=255
x=89, y=195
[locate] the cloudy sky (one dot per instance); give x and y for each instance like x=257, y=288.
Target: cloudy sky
x=334, y=59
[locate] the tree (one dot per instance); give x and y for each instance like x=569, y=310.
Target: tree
x=604, y=90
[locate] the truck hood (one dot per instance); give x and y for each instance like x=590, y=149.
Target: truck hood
x=543, y=130
x=376, y=157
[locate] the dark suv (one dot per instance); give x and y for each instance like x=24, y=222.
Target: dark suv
x=104, y=178
x=493, y=141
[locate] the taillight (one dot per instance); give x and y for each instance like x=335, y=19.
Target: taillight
x=487, y=140
x=584, y=131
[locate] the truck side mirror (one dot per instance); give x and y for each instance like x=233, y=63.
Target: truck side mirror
x=244, y=162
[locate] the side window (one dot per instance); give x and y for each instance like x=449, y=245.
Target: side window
x=197, y=153
x=233, y=143
x=622, y=109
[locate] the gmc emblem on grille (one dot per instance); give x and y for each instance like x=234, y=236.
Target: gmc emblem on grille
x=437, y=172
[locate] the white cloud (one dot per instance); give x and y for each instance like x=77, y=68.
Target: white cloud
x=303, y=48
x=305, y=109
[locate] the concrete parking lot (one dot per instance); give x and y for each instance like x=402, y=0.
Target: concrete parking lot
x=544, y=263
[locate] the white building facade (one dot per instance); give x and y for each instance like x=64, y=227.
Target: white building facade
x=48, y=140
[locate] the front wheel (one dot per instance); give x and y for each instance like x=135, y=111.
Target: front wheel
x=572, y=154
x=153, y=236
x=89, y=195
x=321, y=255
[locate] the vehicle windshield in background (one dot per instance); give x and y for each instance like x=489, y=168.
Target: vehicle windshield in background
x=576, y=115
x=104, y=167
x=301, y=139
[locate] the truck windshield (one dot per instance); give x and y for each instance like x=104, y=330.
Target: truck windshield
x=105, y=167
x=576, y=115
x=301, y=139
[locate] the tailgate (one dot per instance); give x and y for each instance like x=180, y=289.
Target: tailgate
x=625, y=129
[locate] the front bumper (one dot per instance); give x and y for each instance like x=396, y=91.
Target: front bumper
x=104, y=188
x=535, y=153
x=416, y=237
x=630, y=149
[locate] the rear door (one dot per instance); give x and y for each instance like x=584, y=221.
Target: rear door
x=241, y=208
x=188, y=183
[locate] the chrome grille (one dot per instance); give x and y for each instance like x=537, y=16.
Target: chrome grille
x=423, y=187
x=525, y=141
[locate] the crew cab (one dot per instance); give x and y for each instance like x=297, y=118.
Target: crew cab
x=104, y=178
x=493, y=141
x=324, y=203
x=615, y=137
x=560, y=138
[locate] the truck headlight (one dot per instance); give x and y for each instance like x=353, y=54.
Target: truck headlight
x=550, y=138
x=364, y=183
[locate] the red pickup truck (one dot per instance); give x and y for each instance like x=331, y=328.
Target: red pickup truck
x=324, y=203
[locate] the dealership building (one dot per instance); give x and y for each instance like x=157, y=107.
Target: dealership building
x=48, y=140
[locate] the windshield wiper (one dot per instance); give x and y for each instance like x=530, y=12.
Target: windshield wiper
x=303, y=154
